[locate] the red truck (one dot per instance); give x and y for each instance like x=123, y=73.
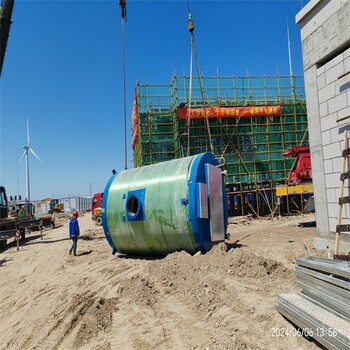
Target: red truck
x=96, y=207
x=96, y=201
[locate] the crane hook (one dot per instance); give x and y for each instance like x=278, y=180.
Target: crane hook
x=122, y=5
x=190, y=24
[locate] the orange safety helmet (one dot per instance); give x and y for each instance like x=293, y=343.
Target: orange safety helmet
x=75, y=213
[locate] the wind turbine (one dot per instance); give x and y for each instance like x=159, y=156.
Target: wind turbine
x=27, y=149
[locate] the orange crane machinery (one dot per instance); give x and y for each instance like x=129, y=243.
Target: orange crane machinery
x=301, y=170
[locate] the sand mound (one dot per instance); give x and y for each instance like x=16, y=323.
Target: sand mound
x=224, y=299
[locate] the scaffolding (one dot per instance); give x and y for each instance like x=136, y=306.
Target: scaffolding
x=248, y=122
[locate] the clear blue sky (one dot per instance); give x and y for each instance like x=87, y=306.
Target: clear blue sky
x=63, y=71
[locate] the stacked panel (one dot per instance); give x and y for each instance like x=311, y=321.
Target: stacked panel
x=322, y=310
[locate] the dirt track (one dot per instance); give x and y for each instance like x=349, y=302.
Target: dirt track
x=224, y=299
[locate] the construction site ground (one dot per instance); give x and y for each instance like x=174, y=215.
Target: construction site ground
x=224, y=299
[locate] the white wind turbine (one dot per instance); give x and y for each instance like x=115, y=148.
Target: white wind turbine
x=25, y=153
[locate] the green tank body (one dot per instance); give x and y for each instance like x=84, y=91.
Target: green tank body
x=153, y=210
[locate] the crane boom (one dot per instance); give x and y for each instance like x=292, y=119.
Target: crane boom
x=5, y=23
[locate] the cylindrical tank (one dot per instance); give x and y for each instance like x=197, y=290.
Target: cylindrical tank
x=170, y=206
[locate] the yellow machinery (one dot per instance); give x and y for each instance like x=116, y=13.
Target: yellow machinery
x=96, y=216
x=48, y=200
x=58, y=208
x=54, y=204
x=303, y=188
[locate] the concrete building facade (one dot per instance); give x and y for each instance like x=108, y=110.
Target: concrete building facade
x=325, y=35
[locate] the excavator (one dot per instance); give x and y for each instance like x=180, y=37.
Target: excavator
x=9, y=226
x=12, y=224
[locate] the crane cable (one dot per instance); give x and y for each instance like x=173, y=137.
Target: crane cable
x=122, y=5
x=191, y=30
x=193, y=44
x=189, y=105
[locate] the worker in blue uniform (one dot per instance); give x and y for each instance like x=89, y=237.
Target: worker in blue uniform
x=74, y=233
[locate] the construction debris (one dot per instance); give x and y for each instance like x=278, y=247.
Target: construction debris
x=311, y=223
x=240, y=220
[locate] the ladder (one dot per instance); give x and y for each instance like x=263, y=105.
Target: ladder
x=345, y=175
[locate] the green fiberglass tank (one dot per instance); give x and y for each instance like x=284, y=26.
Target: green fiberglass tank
x=166, y=207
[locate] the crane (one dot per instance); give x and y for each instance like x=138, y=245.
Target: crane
x=6, y=10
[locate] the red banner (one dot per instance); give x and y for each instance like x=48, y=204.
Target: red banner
x=134, y=122
x=229, y=112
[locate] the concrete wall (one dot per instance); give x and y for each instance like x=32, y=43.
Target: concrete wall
x=325, y=34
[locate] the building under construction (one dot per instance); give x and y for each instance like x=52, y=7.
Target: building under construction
x=247, y=122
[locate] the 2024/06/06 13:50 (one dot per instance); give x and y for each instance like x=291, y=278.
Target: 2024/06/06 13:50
x=303, y=332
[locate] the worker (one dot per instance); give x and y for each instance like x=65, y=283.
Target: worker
x=22, y=213
x=74, y=233
x=53, y=219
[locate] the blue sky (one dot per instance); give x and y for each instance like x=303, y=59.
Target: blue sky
x=63, y=71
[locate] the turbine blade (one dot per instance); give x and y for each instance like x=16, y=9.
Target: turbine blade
x=24, y=153
x=34, y=154
x=28, y=141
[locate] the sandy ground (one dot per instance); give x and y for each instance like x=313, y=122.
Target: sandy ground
x=224, y=299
